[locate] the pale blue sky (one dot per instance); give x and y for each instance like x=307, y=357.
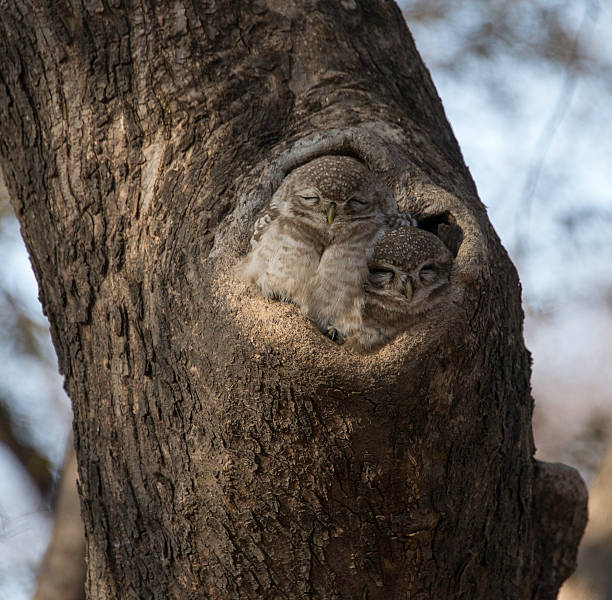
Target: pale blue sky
x=565, y=274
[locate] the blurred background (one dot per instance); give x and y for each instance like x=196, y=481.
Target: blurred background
x=527, y=87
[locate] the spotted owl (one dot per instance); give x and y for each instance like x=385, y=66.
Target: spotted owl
x=407, y=273
x=324, y=217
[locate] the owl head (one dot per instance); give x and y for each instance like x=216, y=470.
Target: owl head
x=408, y=269
x=335, y=190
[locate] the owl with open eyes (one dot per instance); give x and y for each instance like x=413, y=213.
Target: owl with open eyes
x=408, y=272
x=312, y=243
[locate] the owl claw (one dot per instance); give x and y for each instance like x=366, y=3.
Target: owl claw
x=401, y=220
x=332, y=334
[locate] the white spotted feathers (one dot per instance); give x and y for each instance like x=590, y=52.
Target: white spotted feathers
x=312, y=244
x=408, y=272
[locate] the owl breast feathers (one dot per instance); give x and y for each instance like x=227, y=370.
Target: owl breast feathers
x=408, y=271
x=312, y=243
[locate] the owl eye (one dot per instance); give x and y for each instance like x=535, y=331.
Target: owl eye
x=357, y=202
x=309, y=198
x=381, y=277
x=309, y=195
x=427, y=274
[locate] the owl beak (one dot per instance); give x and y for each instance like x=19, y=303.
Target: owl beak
x=331, y=213
x=408, y=290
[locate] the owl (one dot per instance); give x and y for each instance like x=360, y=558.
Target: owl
x=409, y=269
x=325, y=213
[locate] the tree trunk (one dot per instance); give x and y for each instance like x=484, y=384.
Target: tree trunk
x=227, y=449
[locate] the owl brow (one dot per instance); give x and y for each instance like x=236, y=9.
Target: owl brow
x=380, y=270
x=308, y=191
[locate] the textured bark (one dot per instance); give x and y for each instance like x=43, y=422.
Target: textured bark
x=226, y=449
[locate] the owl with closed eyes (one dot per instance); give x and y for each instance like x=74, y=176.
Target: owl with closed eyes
x=408, y=272
x=312, y=243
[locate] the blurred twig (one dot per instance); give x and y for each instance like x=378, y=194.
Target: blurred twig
x=19, y=328
x=542, y=146
x=36, y=465
x=486, y=29
x=62, y=573
x=593, y=578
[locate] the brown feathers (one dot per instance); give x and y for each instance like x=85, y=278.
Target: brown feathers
x=333, y=242
x=409, y=269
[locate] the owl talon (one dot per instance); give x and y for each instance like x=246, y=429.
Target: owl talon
x=332, y=334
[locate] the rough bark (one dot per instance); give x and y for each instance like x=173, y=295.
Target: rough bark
x=226, y=449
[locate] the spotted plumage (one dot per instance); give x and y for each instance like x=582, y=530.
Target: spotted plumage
x=311, y=245
x=408, y=271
